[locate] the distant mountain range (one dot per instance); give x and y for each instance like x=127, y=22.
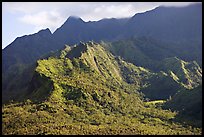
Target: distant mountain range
x=180, y=27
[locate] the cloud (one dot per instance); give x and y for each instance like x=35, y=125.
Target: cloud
x=175, y=4
x=24, y=7
x=97, y=12
x=43, y=19
x=52, y=14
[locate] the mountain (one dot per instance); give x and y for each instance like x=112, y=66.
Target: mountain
x=75, y=30
x=70, y=31
x=182, y=26
x=86, y=88
x=168, y=23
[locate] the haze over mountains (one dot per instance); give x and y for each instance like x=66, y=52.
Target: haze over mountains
x=87, y=73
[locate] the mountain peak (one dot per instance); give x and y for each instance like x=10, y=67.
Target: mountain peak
x=45, y=31
x=77, y=50
x=74, y=19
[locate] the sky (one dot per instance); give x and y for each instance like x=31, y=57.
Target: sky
x=24, y=18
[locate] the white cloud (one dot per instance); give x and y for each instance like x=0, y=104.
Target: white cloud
x=43, y=19
x=24, y=7
x=175, y=4
x=103, y=11
x=52, y=14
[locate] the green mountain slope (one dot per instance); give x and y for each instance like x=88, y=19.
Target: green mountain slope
x=175, y=74
x=170, y=73
x=189, y=74
x=87, y=90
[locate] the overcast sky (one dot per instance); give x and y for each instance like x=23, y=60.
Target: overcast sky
x=23, y=18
